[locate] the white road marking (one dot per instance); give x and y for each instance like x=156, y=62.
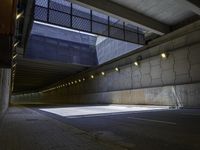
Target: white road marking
x=150, y=120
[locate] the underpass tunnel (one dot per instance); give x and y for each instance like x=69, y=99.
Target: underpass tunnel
x=93, y=64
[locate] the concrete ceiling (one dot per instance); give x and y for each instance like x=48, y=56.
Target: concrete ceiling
x=34, y=74
x=169, y=12
x=156, y=16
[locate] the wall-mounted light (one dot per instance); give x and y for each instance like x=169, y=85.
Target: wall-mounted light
x=163, y=55
x=75, y=82
x=116, y=69
x=79, y=80
x=72, y=82
x=136, y=63
x=92, y=76
x=19, y=15
x=83, y=79
x=14, y=65
x=102, y=73
x=14, y=56
x=15, y=45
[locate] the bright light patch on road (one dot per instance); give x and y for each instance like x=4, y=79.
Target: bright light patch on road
x=90, y=111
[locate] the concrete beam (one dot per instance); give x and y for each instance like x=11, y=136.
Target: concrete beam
x=193, y=5
x=112, y=9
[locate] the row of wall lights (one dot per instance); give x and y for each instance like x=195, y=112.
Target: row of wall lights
x=136, y=63
x=14, y=54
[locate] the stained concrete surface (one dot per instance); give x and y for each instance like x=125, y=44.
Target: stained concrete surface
x=5, y=81
x=24, y=129
x=143, y=128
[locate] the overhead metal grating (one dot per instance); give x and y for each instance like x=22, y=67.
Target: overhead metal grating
x=69, y=15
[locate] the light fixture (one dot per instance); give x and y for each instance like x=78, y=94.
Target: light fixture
x=117, y=69
x=72, y=82
x=92, y=76
x=14, y=65
x=163, y=55
x=75, y=82
x=79, y=80
x=136, y=63
x=14, y=56
x=102, y=73
x=15, y=45
x=83, y=79
x=19, y=15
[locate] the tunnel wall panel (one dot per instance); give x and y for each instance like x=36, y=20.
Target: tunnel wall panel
x=187, y=95
x=156, y=81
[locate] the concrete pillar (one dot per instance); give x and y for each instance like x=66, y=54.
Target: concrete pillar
x=5, y=82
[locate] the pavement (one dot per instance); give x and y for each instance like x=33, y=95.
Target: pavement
x=100, y=127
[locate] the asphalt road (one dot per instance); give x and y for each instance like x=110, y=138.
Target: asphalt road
x=166, y=129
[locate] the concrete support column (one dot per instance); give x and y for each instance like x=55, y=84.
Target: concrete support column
x=5, y=82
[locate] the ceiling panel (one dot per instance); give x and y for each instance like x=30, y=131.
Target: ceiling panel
x=167, y=11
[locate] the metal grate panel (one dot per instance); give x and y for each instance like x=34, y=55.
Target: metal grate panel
x=40, y=13
x=66, y=14
x=81, y=11
x=61, y=5
x=81, y=24
x=59, y=18
x=99, y=28
x=116, y=33
x=42, y=3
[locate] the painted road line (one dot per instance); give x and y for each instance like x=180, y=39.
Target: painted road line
x=150, y=120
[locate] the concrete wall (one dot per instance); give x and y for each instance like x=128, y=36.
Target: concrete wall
x=55, y=44
x=180, y=95
x=156, y=81
x=5, y=79
x=108, y=48
x=62, y=34
x=51, y=49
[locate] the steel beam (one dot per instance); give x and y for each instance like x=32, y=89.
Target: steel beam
x=125, y=14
